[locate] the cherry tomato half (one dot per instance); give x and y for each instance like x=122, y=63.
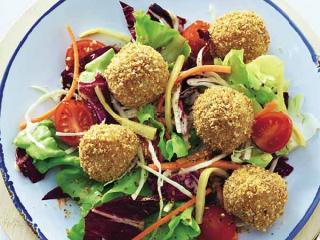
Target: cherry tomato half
x=272, y=131
x=85, y=47
x=192, y=35
x=71, y=117
x=217, y=225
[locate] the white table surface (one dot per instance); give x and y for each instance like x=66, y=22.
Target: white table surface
x=11, y=10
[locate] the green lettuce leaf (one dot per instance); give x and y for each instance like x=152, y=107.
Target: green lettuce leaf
x=127, y=185
x=75, y=182
x=166, y=40
x=261, y=80
x=47, y=146
x=49, y=163
x=260, y=159
x=182, y=227
x=91, y=194
x=98, y=65
x=256, y=156
x=77, y=231
x=174, y=146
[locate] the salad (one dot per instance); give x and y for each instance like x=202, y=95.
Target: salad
x=174, y=132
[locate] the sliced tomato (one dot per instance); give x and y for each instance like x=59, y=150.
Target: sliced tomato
x=217, y=225
x=272, y=131
x=72, y=117
x=85, y=47
x=192, y=35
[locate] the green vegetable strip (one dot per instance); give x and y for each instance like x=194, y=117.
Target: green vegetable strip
x=143, y=130
x=173, y=77
x=201, y=191
x=107, y=32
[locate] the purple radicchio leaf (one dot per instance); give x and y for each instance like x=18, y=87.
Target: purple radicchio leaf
x=283, y=168
x=208, y=53
x=128, y=14
x=86, y=91
x=188, y=97
x=156, y=13
x=24, y=163
x=121, y=218
x=55, y=193
x=170, y=193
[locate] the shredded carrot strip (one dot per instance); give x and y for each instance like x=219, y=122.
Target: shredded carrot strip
x=227, y=165
x=269, y=107
x=196, y=156
x=201, y=69
x=167, y=218
x=73, y=87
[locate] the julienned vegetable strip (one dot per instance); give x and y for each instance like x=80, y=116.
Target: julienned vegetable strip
x=201, y=190
x=173, y=76
x=202, y=69
x=269, y=107
x=74, y=84
x=168, y=217
x=141, y=129
x=196, y=156
x=110, y=33
x=227, y=165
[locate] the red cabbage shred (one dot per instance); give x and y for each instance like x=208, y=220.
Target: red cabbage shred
x=24, y=162
x=121, y=218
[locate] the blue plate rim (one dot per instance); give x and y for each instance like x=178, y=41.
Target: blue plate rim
x=4, y=172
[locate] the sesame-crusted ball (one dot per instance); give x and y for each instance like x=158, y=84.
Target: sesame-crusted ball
x=240, y=30
x=255, y=195
x=223, y=118
x=137, y=75
x=107, y=151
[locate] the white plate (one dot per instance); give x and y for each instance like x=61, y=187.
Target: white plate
x=39, y=59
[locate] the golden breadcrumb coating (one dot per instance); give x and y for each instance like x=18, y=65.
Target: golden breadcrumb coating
x=255, y=195
x=107, y=151
x=223, y=118
x=240, y=30
x=137, y=75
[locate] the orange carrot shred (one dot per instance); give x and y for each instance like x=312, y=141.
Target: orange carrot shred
x=73, y=87
x=201, y=69
x=196, y=156
x=167, y=218
x=227, y=165
x=269, y=107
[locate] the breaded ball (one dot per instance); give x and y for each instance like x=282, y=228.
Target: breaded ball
x=240, y=30
x=223, y=118
x=137, y=75
x=107, y=151
x=255, y=195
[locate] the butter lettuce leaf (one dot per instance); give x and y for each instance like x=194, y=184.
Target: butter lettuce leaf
x=174, y=146
x=261, y=80
x=97, y=65
x=49, y=163
x=164, y=39
x=75, y=182
x=47, y=146
x=252, y=155
x=127, y=185
x=182, y=227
